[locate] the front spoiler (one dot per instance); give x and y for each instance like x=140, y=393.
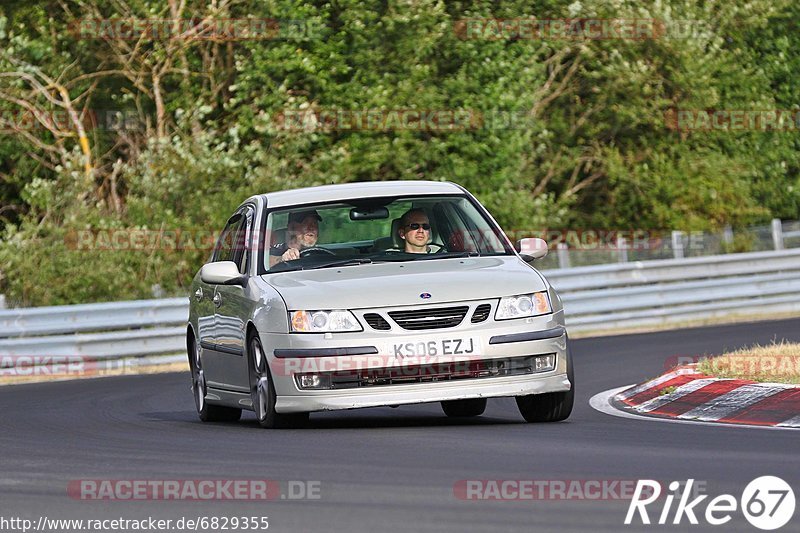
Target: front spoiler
x=425, y=392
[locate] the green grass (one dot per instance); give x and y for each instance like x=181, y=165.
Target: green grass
x=775, y=363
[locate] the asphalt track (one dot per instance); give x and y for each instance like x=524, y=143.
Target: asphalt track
x=386, y=469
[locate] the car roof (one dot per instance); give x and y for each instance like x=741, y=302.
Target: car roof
x=347, y=191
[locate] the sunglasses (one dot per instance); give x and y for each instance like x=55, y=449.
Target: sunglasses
x=416, y=226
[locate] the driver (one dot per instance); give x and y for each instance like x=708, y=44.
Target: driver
x=302, y=231
x=415, y=230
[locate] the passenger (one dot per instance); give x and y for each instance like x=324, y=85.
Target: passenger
x=415, y=230
x=302, y=231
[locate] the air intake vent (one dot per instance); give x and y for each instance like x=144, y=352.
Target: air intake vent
x=376, y=321
x=481, y=313
x=438, y=371
x=427, y=318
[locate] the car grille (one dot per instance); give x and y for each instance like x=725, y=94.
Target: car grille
x=425, y=373
x=376, y=321
x=428, y=318
x=481, y=313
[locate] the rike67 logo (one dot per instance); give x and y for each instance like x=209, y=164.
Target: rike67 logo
x=767, y=502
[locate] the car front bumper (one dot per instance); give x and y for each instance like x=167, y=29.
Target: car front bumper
x=515, y=335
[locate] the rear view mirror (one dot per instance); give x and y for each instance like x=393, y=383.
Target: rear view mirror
x=369, y=213
x=532, y=248
x=221, y=273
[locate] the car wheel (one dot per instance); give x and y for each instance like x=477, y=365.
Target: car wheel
x=551, y=406
x=462, y=408
x=262, y=391
x=206, y=411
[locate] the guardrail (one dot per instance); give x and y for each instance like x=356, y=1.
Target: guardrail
x=649, y=293
x=96, y=331
x=596, y=247
x=596, y=298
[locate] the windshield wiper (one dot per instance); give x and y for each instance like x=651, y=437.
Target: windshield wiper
x=398, y=258
x=342, y=262
x=449, y=255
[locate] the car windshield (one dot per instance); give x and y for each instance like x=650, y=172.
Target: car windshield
x=360, y=231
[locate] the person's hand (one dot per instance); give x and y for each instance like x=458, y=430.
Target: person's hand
x=291, y=254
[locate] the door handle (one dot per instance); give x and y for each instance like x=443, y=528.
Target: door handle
x=199, y=294
x=217, y=299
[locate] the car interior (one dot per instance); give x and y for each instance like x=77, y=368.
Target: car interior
x=452, y=230
x=381, y=244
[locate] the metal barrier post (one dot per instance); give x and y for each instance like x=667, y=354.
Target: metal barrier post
x=777, y=233
x=677, y=244
x=622, y=249
x=727, y=235
x=562, y=251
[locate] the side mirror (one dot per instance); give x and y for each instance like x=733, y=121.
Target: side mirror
x=222, y=273
x=531, y=249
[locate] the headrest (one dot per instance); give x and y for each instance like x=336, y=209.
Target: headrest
x=398, y=242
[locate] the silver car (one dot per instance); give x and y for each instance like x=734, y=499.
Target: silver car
x=374, y=294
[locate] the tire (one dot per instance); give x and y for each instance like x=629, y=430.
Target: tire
x=206, y=411
x=464, y=408
x=551, y=406
x=262, y=391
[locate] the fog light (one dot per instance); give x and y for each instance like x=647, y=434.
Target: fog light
x=313, y=381
x=309, y=381
x=543, y=363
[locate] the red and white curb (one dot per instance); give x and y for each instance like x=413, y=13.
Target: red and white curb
x=686, y=394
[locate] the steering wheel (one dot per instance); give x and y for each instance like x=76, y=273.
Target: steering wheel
x=315, y=250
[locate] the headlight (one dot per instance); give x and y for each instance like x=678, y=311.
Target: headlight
x=322, y=321
x=523, y=305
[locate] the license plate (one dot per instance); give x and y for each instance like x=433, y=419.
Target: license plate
x=435, y=348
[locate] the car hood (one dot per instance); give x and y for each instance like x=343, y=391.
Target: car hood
x=398, y=284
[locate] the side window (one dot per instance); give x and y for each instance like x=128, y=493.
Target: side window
x=230, y=246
